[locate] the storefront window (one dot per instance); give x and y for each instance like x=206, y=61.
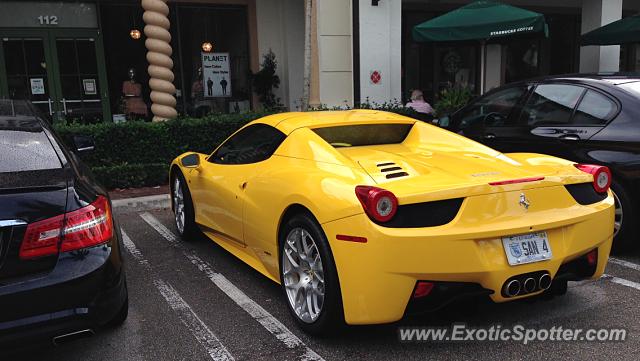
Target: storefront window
x=630, y=57
x=223, y=84
x=431, y=67
x=126, y=61
x=522, y=60
x=222, y=28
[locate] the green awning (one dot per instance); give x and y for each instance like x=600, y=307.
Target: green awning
x=626, y=30
x=481, y=20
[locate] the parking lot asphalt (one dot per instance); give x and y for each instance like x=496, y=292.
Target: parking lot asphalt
x=195, y=301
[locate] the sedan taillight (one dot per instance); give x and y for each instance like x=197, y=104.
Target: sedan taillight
x=86, y=227
x=601, y=176
x=378, y=203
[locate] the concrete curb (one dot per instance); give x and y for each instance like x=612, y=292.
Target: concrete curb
x=139, y=204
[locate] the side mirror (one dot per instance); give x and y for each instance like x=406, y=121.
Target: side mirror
x=83, y=143
x=190, y=161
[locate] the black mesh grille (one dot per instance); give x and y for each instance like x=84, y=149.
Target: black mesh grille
x=584, y=193
x=396, y=175
x=427, y=214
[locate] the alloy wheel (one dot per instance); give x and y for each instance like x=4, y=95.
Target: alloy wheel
x=178, y=205
x=303, y=275
x=617, y=225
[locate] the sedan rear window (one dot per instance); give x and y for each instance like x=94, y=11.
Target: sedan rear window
x=364, y=134
x=24, y=146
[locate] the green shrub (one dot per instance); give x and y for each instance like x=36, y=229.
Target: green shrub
x=136, y=154
x=452, y=99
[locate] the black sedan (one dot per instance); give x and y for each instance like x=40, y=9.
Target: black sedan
x=61, y=270
x=584, y=118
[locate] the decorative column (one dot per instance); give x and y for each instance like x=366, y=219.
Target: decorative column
x=159, y=51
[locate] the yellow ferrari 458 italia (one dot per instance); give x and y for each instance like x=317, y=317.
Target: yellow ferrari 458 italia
x=364, y=216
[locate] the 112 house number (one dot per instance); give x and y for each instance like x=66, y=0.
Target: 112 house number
x=48, y=20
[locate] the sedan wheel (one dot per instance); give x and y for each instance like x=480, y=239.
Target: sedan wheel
x=178, y=204
x=303, y=275
x=619, y=215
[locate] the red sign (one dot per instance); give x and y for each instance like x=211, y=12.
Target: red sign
x=376, y=77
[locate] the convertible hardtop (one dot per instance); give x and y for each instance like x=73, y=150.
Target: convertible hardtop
x=288, y=122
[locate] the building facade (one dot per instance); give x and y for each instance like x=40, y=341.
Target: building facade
x=86, y=60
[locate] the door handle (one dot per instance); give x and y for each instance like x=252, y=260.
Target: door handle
x=243, y=185
x=573, y=137
x=489, y=136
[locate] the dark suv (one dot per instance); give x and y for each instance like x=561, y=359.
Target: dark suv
x=61, y=272
x=584, y=118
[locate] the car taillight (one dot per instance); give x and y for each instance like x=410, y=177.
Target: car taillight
x=601, y=176
x=42, y=238
x=379, y=204
x=88, y=226
x=423, y=289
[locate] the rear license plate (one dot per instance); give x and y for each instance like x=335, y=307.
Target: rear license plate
x=527, y=248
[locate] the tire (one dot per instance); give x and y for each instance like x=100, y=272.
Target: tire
x=625, y=229
x=184, y=215
x=327, y=315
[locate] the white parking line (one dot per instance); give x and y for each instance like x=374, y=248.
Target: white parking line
x=623, y=263
x=270, y=323
x=135, y=252
x=216, y=350
x=622, y=281
x=199, y=329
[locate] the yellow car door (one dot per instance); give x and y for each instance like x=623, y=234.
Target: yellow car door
x=220, y=197
x=218, y=185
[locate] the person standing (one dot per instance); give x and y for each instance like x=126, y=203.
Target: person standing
x=418, y=103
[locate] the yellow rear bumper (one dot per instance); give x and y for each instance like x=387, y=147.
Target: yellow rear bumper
x=377, y=278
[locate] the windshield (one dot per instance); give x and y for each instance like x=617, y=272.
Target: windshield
x=364, y=134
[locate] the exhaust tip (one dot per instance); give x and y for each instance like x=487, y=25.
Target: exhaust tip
x=544, y=282
x=529, y=285
x=512, y=288
x=72, y=336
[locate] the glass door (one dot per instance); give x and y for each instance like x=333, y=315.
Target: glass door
x=61, y=71
x=79, y=79
x=27, y=74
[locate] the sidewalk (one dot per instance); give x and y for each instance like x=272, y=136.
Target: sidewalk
x=140, y=199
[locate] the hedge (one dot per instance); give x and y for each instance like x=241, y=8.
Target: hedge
x=136, y=154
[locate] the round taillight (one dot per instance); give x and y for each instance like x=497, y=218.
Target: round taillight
x=601, y=176
x=380, y=204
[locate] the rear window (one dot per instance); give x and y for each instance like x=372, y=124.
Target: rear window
x=24, y=146
x=364, y=134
